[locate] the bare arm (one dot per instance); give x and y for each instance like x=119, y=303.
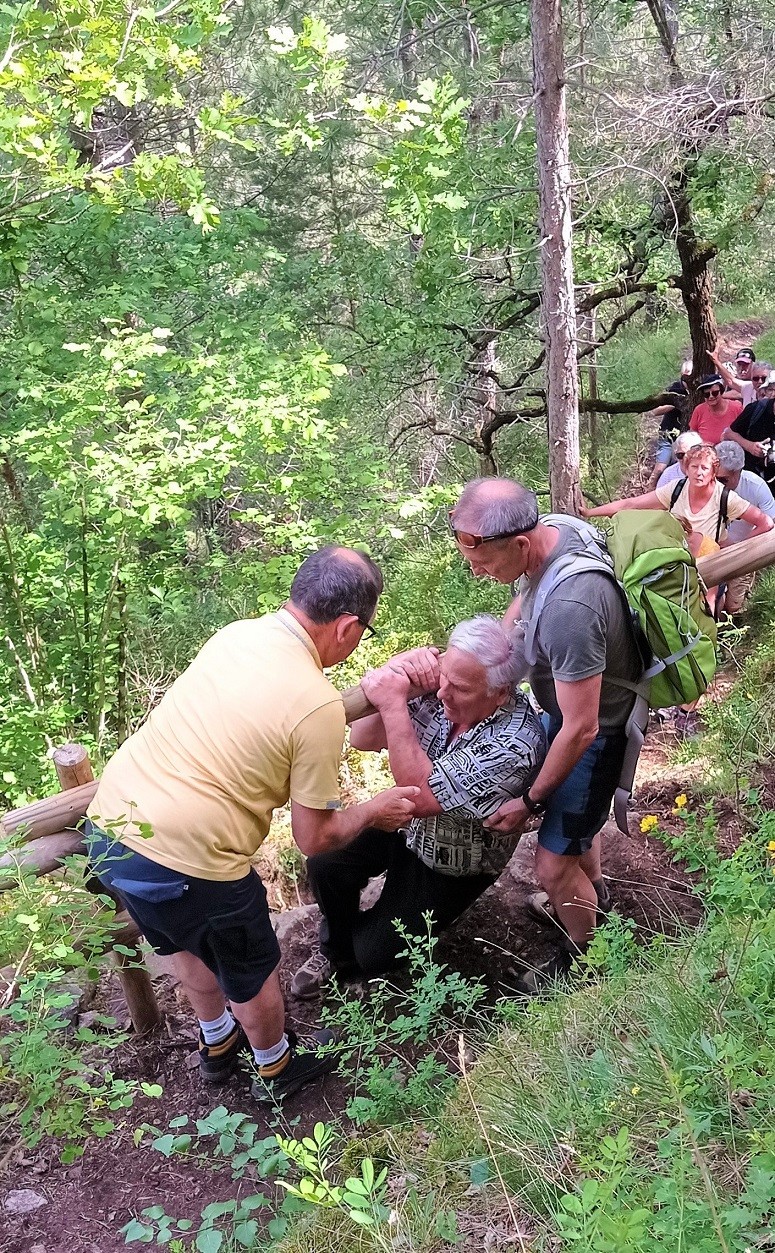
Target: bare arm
x=649, y=500
x=513, y=613
x=748, y=445
x=325, y=830
x=731, y=380
x=409, y=763
x=368, y=734
x=421, y=667
x=758, y=520
x=579, y=705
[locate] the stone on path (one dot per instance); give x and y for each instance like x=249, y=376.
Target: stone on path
x=23, y=1201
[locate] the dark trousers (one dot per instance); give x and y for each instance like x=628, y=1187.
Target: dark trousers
x=411, y=889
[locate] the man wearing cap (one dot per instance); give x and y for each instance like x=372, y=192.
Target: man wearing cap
x=756, y=492
x=747, y=378
x=715, y=413
x=685, y=441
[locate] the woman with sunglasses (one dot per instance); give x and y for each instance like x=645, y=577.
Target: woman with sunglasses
x=699, y=506
x=712, y=417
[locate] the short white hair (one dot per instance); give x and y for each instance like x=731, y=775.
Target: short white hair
x=496, y=649
x=687, y=440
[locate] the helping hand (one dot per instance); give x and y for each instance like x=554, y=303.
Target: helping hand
x=393, y=808
x=421, y=667
x=385, y=686
x=510, y=819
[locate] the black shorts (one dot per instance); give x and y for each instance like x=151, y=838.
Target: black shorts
x=225, y=924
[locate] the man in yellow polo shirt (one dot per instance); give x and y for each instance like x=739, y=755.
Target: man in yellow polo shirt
x=186, y=801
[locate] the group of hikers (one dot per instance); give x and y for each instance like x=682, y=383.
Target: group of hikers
x=253, y=723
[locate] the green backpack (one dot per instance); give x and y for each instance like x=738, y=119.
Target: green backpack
x=649, y=560
x=659, y=576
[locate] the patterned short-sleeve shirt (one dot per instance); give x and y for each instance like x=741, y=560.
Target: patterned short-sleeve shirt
x=471, y=778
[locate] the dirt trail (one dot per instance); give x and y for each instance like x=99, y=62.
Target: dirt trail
x=88, y=1201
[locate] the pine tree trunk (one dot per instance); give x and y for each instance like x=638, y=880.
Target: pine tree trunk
x=555, y=227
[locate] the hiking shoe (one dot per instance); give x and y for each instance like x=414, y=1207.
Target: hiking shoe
x=217, y=1062
x=312, y=977
x=541, y=978
x=317, y=972
x=295, y=1069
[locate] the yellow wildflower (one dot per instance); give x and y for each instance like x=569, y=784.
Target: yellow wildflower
x=649, y=822
x=680, y=801
x=635, y=1090
x=771, y=846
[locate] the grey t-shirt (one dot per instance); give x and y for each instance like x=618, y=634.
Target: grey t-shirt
x=582, y=631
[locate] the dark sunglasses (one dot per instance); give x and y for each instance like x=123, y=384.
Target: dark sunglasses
x=467, y=540
x=368, y=630
x=714, y=391
x=758, y=378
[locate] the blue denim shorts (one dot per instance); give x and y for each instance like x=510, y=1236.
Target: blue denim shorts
x=580, y=806
x=226, y=924
x=665, y=455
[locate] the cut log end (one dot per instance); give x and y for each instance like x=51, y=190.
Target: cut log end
x=72, y=764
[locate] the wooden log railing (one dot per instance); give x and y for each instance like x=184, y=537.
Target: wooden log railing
x=48, y=828
x=47, y=832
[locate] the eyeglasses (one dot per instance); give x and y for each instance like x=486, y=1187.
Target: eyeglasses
x=368, y=630
x=467, y=540
x=758, y=378
x=714, y=391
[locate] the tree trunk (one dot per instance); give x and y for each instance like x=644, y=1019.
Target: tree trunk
x=695, y=285
x=555, y=226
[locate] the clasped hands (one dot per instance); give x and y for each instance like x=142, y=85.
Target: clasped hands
x=408, y=674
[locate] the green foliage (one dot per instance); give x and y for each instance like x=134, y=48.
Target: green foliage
x=738, y=730
x=230, y=1140
x=54, y=1081
x=422, y=1013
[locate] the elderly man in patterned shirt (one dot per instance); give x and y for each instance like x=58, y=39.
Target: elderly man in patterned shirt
x=470, y=743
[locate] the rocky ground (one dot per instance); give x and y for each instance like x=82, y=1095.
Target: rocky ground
x=81, y=1207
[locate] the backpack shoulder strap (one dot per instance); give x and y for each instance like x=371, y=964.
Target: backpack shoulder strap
x=680, y=485
x=722, y=511
x=558, y=572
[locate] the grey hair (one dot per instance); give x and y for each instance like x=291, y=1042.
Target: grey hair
x=330, y=583
x=493, y=506
x=731, y=456
x=499, y=651
x=687, y=440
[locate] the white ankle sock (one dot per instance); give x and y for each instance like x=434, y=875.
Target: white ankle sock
x=217, y=1030
x=265, y=1057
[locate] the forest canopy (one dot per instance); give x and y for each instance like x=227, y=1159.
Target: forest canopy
x=270, y=276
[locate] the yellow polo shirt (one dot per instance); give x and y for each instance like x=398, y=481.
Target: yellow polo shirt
x=250, y=723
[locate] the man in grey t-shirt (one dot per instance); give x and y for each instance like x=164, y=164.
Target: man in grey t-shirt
x=583, y=636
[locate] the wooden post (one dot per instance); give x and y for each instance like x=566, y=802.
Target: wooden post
x=71, y=762
x=138, y=990
x=75, y=774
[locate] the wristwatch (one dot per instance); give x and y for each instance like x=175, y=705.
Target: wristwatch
x=533, y=807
